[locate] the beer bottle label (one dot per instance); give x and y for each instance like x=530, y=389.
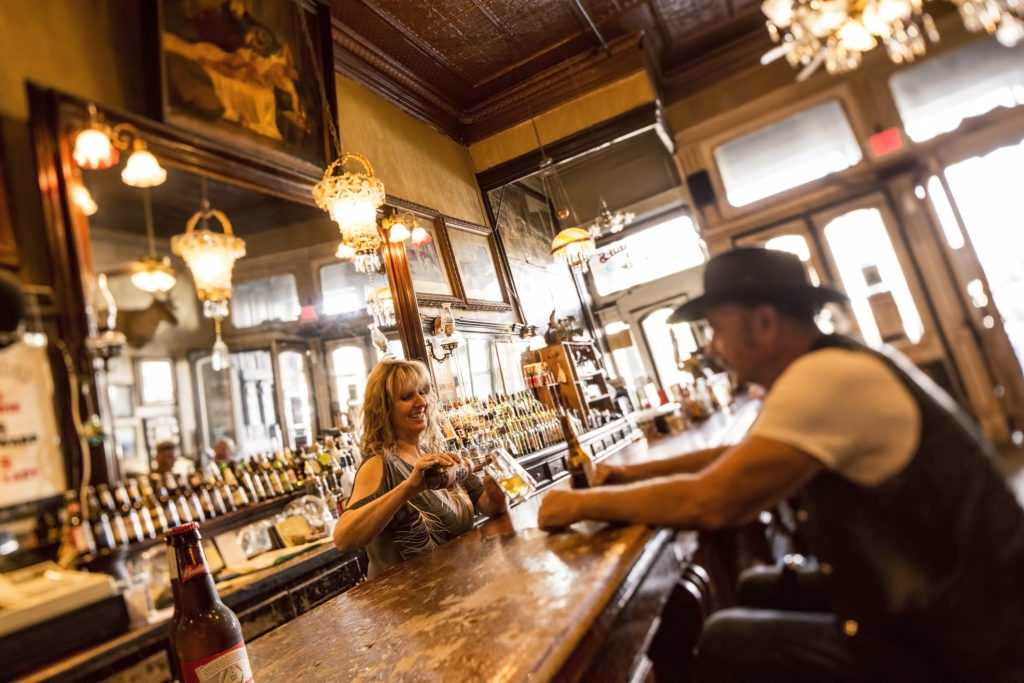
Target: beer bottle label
x=230, y=665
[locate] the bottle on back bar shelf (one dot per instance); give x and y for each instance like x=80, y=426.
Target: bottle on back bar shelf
x=581, y=467
x=205, y=635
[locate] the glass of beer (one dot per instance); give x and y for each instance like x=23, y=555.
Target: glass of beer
x=515, y=481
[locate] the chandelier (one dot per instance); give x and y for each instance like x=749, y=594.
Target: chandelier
x=151, y=273
x=352, y=199
x=211, y=257
x=836, y=33
x=608, y=222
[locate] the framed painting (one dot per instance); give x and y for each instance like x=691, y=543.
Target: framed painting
x=428, y=265
x=155, y=379
x=475, y=254
x=248, y=74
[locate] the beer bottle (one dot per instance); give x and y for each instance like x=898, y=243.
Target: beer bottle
x=581, y=467
x=438, y=476
x=205, y=635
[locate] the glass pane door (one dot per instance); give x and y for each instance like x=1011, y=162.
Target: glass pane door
x=296, y=396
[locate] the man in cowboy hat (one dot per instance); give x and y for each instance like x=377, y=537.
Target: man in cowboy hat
x=919, y=539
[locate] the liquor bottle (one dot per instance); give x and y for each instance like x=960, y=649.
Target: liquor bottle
x=137, y=531
x=438, y=476
x=581, y=467
x=99, y=520
x=80, y=536
x=148, y=505
x=117, y=524
x=169, y=505
x=205, y=635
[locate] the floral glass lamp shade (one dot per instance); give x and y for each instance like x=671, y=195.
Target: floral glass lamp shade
x=211, y=258
x=574, y=246
x=352, y=200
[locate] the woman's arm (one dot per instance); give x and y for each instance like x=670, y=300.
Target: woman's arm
x=357, y=527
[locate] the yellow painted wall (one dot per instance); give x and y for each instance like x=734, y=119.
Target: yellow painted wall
x=564, y=120
x=79, y=47
x=414, y=161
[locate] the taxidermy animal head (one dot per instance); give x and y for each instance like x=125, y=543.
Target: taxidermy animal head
x=140, y=326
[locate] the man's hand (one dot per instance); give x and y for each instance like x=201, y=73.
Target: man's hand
x=558, y=510
x=608, y=474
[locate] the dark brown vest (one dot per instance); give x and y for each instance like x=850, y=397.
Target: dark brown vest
x=933, y=556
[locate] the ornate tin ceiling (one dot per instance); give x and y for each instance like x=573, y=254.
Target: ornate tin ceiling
x=473, y=67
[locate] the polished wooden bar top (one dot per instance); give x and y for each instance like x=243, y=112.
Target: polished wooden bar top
x=503, y=602
x=494, y=604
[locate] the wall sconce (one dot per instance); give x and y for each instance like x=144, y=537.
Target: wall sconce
x=404, y=225
x=444, y=334
x=574, y=246
x=96, y=148
x=211, y=257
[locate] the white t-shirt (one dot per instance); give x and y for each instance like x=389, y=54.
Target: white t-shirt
x=847, y=409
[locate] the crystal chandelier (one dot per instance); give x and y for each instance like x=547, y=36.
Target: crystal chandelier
x=1004, y=18
x=608, y=222
x=211, y=257
x=837, y=33
x=352, y=199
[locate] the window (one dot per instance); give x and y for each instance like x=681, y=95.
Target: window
x=655, y=252
x=873, y=278
x=259, y=301
x=936, y=96
x=670, y=345
x=342, y=289
x=788, y=153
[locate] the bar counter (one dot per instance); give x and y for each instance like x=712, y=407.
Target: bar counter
x=505, y=601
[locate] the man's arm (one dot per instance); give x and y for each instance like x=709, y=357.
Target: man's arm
x=687, y=463
x=747, y=478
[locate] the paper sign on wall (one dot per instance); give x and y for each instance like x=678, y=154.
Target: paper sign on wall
x=31, y=466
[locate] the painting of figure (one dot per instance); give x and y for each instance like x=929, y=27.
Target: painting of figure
x=243, y=71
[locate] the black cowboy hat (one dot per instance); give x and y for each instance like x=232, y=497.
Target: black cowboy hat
x=754, y=275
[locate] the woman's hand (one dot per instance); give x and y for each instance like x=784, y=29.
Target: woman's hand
x=415, y=480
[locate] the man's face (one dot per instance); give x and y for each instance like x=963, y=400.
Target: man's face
x=734, y=342
x=165, y=458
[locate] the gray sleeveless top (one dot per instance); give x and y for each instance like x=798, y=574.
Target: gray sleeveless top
x=425, y=522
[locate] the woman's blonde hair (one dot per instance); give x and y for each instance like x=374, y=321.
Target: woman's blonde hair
x=387, y=379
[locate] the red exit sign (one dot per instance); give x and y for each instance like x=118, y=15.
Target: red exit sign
x=886, y=142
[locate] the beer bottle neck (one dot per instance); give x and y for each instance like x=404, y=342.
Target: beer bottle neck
x=196, y=591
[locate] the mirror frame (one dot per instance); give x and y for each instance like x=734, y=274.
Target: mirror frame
x=54, y=117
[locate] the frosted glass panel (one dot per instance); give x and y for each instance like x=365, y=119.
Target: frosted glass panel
x=259, y=301
x=664, y=249
x=343, y=289
x=788, y=153
x=936, y=96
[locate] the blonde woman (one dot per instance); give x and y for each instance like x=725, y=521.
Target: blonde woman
x=393, y=513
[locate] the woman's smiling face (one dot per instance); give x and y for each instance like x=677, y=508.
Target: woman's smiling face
x=409, y=409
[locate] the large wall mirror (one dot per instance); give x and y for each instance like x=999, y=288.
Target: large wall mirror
x=298, y=327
